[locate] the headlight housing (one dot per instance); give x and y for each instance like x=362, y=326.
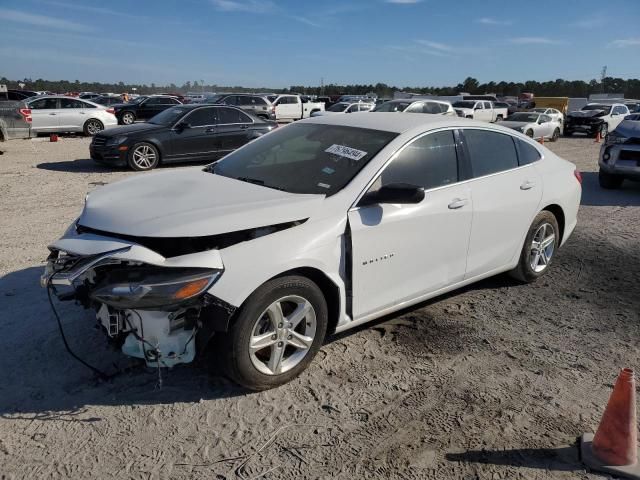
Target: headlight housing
x=116, y=140
x=613, y=138
x=147, y=287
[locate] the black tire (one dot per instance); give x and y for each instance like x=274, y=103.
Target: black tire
x=127, y=118
x=609, y=181
x=499, y=118
x=524, y=271
x=529, y=133
x=234, y=345
x=136, y=163
x=92, y=127
x=556, y=135
x=604, y=130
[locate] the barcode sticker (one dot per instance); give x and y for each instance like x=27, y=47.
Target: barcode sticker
x=346, y=152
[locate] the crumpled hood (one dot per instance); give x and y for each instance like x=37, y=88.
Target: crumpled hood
x=586, y=113
x=190, y=203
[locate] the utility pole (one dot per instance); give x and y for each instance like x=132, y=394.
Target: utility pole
x=322, y=86
x=603, y=74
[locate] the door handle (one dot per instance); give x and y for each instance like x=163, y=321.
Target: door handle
x=52, y=114
x=458, y=203
x=244, y=127
x=210, y=130
x=527, y=185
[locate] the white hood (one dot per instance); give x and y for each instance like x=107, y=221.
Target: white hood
x=190, y=203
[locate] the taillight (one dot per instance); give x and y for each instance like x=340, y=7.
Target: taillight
x=111, y=110
x=26, y=114
x=578, y=176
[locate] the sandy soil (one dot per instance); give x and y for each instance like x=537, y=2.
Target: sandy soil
x=495, y=381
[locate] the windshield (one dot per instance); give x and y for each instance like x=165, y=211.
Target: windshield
x=464, y=104
x=392, y=107
x=524, y=117
x=338, y=107
x=605, y=108
x=305, y=158
x=169, y=116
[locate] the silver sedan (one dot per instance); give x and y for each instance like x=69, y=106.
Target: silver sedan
x=67, y=114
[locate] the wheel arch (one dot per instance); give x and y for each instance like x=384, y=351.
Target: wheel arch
x=557, y=212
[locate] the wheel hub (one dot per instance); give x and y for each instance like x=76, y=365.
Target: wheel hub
x=542, y=247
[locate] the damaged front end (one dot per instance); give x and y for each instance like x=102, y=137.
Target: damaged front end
x=152, y=307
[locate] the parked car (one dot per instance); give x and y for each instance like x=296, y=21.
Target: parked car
x=108, y=100
x=620, y=154
x=88, y=96
x=534, y=125
x=436, y=107
x=19, y=95
x=15, y=120
x=595, y=118
x=255, y=104
x=65, y=114
x=554, y=113
x=506, y=106
x=480, y=110
x=314, y=228
x=185, y=133
x=143, y=108
x=291, y=107
x=345, y=107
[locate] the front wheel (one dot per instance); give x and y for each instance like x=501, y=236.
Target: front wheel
x=529, y=133
x=278, y=331
x=143, y=156
x=539, y=248
x=556, y=135
x=604, y=129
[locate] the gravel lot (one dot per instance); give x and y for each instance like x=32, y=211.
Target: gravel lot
x=495, y=381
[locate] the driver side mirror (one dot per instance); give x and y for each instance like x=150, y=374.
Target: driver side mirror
x=401, y=193
x=180, y=126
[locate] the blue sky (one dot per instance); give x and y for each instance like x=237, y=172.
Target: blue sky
x=279, y=43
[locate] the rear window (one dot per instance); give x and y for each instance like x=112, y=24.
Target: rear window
x=490, y=152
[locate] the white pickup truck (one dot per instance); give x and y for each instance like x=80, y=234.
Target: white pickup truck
x=480, y=110
x=292, y=107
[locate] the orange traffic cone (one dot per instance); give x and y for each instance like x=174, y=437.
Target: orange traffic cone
x=598, y=137
x=53, y=137
x=614, y=448
x=541, y=140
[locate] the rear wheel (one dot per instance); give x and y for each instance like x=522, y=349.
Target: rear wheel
x=609, y=181
x=539, y=248
x=278, y=331
x=92, y=126
x=143, y=156
x=127, y=118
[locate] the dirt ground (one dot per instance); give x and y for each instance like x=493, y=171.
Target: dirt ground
x=492, y=382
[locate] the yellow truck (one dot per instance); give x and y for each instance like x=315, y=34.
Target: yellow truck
x=559, y=103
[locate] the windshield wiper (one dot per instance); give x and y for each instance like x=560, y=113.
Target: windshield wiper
x=257, y=181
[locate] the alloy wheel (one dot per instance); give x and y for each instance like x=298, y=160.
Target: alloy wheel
x=144, y=157
x=542, y=247
x=93, y=127
x=283, y=335
x=127, y=119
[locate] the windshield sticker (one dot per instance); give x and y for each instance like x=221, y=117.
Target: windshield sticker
x=328, y=170
x=324, y=185
x=346, y=152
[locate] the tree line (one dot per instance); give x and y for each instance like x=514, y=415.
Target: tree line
x=554, y=88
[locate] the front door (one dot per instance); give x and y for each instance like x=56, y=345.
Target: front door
x=400, y=252
x=198, y=140
x=505, y=195
x=288, y=108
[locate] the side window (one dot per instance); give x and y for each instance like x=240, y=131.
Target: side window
x=44, y=104
x=431, y=107
x=201, y=117
x=479, y=106
x=430, y=161
x=71, y=103
x=545, y=118
x=487, y=105
x=490, y=152
x=152, y=101
x=87, y=105
x=171, y=101
x=526, y=153
x=258, y=101
x=415, y=108
x=352, y=108
x=231, y=115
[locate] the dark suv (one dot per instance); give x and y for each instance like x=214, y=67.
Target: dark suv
x=256, y=104
x=143, y=108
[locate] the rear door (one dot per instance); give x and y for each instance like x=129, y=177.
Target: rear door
x=73, y=114
x=506, y=196
x=232, y=129
x=44, y=114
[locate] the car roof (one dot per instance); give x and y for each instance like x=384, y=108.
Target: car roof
x=398, y=122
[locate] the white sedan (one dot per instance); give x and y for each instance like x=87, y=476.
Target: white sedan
x=67, y=114
x=312, y=229
x=345, y=107
x=534, y=125
x=555, y=114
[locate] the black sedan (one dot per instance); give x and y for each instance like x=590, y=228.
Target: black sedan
x=185, y=133
x=143, y=108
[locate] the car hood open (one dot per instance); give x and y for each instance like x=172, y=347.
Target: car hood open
x=190, y=203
